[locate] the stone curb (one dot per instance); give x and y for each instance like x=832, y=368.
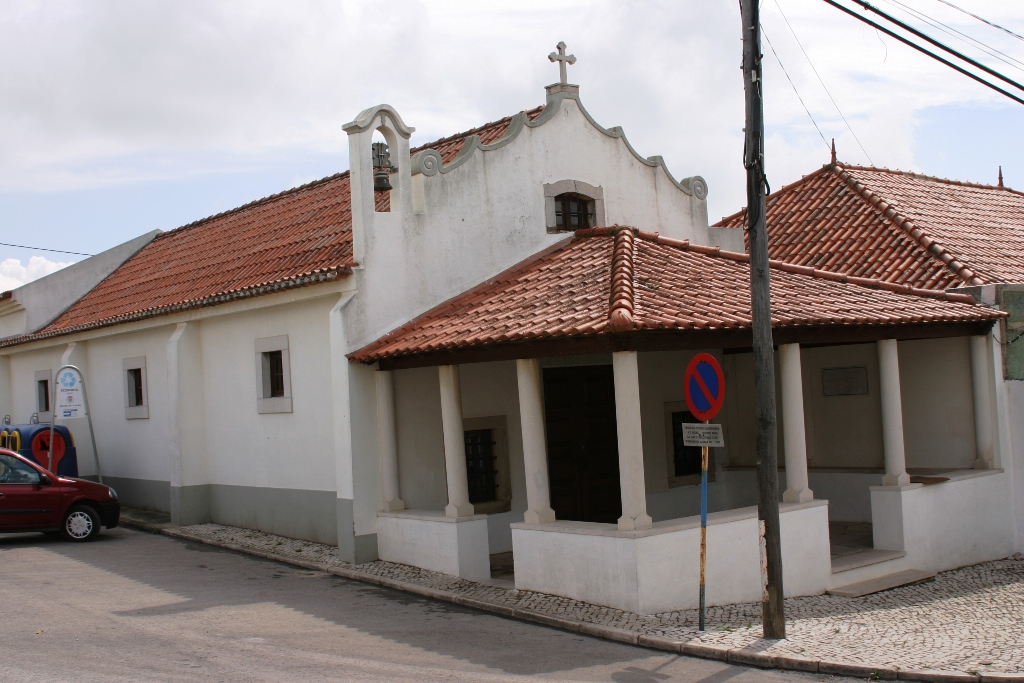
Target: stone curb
x=739, y=656
x=140, y=525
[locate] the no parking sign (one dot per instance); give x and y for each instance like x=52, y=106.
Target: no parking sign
x=704, y=386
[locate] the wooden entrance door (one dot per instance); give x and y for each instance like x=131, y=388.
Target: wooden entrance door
x=583, y=454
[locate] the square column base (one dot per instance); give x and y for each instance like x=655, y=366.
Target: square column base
x=430, y=540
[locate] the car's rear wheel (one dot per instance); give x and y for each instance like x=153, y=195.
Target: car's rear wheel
x=81, y=523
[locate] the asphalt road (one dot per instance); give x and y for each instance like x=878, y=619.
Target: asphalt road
x=133, y=606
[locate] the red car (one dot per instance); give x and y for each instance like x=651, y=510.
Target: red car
x=32, y=499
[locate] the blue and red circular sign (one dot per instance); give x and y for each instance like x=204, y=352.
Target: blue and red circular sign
x=704, y=386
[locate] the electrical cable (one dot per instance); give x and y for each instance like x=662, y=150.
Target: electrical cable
x=906, y=27
x=982, y=19
x=917, y=47
x=58, y=251
x=815, y=70
x=772, y=47
x=1009, y=60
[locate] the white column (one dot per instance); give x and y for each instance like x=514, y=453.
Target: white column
x=631, y=446
x=454, y=443
x=535, y=450
x=892, y=414
x=797, y=490
x=387, y=441
x=984, y=413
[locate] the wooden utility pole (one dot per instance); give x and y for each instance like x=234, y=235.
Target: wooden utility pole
x=774, y=621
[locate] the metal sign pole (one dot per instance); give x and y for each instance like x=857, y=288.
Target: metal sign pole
x=88, y=415
x=53, y=418
x=703, y=526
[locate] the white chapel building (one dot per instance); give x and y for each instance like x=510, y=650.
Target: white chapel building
x=477, y=347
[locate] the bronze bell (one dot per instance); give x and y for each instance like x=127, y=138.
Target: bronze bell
x=381, y=167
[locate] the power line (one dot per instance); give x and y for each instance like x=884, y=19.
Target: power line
x=765, y=34
x=1009, y=60
x=982, y=19
x=815, y=70
x=917, y=47
x=945, y=48
x=58, y=251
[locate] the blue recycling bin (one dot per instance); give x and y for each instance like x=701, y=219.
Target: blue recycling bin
x=32, y=441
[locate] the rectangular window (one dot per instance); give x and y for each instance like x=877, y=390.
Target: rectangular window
x=480, y=465
x=686, y=460
x=135, y=388
x=44, y=386
x=136, y=402
x=43, y=391
x=273, y=374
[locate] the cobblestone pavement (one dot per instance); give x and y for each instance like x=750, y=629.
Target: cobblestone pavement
x=968, y=620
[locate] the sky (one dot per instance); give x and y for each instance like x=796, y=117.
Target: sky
x=121, y=116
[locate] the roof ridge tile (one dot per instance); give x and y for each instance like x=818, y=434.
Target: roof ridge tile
x=925, y=176
x=620, y=310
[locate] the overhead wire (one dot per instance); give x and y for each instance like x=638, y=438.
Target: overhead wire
x=793, y=85
x=983, y=20
x=820, y=80
x=1009, y=60
x=58, y=251
x=942, y=46
x=917, y=47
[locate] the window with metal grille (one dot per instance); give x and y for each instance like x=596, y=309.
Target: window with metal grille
x=687, y=459
x=573, y=212
x=480, y=465
x=43, y=396
x=273, y=374
x=135, y=394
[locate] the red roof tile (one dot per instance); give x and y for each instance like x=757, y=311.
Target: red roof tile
x=897, y=226
x=298, y=237
x=611, y=280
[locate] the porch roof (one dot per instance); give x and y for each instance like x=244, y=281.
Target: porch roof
x=619, y=288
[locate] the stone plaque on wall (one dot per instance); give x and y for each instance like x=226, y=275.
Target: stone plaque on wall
x=844, y=381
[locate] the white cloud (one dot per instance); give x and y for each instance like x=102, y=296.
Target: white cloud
x=100, y=93
x=13, y=273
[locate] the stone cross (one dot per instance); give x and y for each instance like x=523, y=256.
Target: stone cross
x=562, y=60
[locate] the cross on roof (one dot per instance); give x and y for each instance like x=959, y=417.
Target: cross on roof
x=562, y=60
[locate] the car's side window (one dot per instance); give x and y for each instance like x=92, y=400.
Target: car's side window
x=14, y=471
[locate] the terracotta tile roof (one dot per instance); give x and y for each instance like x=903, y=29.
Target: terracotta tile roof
x=295, y=238
x=897, y=226
x=613, y=280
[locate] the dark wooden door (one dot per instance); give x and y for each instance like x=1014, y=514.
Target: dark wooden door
x=583, y=454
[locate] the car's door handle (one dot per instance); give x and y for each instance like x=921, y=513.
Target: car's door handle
x=1, y=495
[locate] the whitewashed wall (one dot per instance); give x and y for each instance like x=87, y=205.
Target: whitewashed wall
x=134, y=449
x=278, y=450
x=938, y=403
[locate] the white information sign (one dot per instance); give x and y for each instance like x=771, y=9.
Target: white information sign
x=70, y=399
x=703, y=435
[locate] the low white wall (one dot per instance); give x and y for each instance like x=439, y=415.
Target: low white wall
x=966, y=520
x=429, y=540
x=655, y=571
